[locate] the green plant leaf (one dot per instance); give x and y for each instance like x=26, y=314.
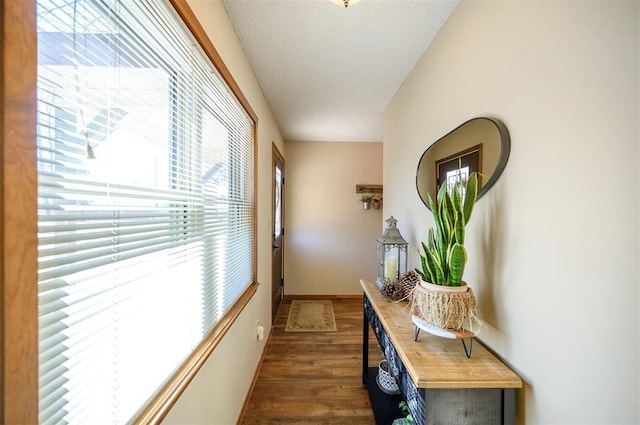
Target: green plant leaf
x=435, y=267
x=457, y=197
x=402, y=421
x=458, y=229
x=430, y=247
x=425, y=274
x=441, y=238
x=433, y=207
x=441, y=234
x=441, y=225
x=431, y=239
x=448, y=210
x=457, y=261
x=430, y=269
x=420, y=273
x=444, y=229
x=470, y=196
x=444, y=253
x=441, y=192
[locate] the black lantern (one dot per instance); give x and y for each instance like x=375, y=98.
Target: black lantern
x=392, y=254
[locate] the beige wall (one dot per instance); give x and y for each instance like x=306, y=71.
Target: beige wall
x=330, y=241
x=217, y=393
x=553, y=246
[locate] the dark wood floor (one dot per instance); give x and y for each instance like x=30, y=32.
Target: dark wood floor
x=313, y=377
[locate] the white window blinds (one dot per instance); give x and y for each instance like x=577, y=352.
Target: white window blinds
x=145, y=203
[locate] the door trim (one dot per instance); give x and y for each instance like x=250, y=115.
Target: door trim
x=276, y=157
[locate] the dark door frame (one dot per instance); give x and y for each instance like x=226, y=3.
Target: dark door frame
x=277, y=251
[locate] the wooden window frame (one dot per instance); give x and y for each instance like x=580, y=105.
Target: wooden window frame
x=18, y=228
x=18, y=223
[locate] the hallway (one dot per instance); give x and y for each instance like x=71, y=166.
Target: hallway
x=313, y=377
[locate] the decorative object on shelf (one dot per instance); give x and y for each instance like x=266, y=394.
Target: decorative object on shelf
x=366, y=201
x=401, y=289
x=407, y=419
x=445, y=307
x=392, y=291
x=408, y=281
x=392, y=254
x=442, y=299
x=376, y=201
x=480, y=144
x=385, y=380
x=371, y=194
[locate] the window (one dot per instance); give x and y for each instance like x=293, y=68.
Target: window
x=145, y=203
x=457, y=177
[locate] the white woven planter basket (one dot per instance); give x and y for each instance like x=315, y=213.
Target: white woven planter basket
x=387, y=383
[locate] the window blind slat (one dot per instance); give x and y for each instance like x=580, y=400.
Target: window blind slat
x=131, y=238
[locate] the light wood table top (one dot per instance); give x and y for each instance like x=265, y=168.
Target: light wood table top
x=433, y=361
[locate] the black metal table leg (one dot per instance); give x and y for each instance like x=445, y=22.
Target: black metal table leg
x=467, y=352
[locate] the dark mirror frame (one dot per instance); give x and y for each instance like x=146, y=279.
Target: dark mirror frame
x=505, y=149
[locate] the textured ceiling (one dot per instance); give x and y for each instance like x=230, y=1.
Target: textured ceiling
x=329, y=72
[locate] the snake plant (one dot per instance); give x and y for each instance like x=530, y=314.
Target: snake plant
x=443, y=256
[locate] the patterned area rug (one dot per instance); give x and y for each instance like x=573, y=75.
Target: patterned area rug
x=311, y=316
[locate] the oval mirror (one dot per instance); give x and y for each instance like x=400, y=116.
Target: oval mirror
x=480, y=144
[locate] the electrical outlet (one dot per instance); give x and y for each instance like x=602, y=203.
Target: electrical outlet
x=260, y=332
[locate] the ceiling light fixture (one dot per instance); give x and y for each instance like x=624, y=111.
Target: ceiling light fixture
x=345, y=3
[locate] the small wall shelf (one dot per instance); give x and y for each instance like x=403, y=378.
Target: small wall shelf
x=368, y=188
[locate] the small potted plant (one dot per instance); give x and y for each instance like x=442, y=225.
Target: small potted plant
x=386, y=382
x=407, y=419
x=366, y=201
x=443, y=299
x=376, y=201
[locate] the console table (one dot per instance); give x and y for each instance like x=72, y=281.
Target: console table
x=440, y=384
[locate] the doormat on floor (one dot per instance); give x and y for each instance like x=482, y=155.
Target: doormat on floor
x=311, y=316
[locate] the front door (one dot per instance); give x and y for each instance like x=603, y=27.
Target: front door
x=277, y=280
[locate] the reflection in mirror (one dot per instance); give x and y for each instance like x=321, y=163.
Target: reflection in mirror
x=480, y=144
